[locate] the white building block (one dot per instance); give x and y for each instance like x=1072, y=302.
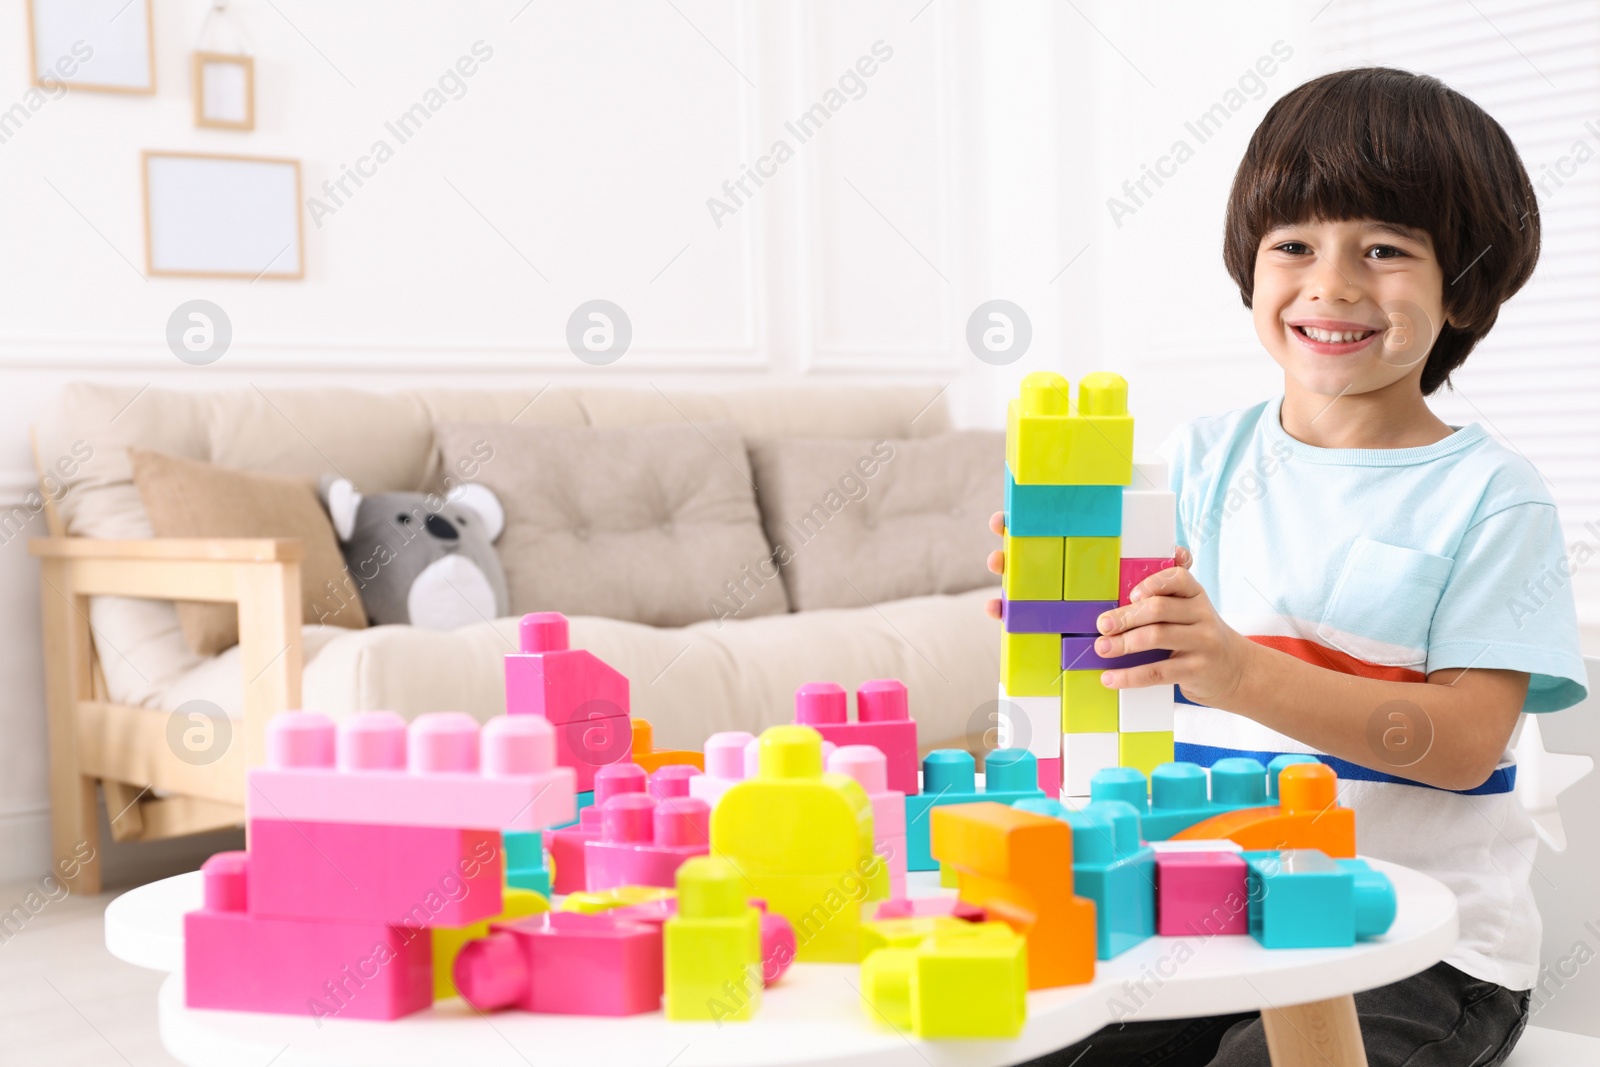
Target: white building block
x=1149, y=523
x=1033, y=723
x=1081, y=756
x=1148, y=709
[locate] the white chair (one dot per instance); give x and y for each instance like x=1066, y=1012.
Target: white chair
x=1557, y=755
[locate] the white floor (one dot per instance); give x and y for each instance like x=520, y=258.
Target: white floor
x=65, y=1000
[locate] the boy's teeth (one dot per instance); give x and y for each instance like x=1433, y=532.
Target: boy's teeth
x=1333, y=336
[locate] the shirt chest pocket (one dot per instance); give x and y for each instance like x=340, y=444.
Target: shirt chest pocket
x=1383, y=602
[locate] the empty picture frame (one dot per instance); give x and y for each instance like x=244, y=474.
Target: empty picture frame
x=224, y=91
x=104, y=46
x=220, y=216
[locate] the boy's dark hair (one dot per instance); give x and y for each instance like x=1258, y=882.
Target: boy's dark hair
x=1399, y=147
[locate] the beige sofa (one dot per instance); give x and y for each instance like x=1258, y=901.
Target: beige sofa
x=117, y=664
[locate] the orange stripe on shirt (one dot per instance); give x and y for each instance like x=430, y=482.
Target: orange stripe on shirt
x=1334, y=660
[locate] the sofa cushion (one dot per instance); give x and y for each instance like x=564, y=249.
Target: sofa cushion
x=856, y=522
x=189, y=499
x=688, y=682
x=652, y=524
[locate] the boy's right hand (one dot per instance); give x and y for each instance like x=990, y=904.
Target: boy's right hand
x=997, y=560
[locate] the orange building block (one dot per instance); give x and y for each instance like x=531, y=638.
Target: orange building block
x=652, y=759
x=1017, y=866
x=1308, y=815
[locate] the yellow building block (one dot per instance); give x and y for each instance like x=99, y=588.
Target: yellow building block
x=447, y=940
x=803, y=840
x=1144, y=751
x=968, y=982
x=904, y=933
x=1087, y=707
x=1030, y=664
x=1033, y=569
x=712, y=946
x=622, y=896
x=1090, y=567
x=1050, y=441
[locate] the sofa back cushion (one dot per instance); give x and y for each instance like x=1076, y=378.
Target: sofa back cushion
x=653, y=524
x=856, y=522
x=189, y=499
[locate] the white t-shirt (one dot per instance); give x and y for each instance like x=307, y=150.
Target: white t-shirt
x=1391, y=563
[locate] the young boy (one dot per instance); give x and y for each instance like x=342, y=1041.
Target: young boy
x=1358, y=579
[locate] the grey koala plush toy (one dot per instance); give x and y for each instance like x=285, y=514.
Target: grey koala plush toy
x=420, y=559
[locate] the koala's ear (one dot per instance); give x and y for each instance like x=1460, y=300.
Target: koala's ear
x=342, y=502
x=481, y=498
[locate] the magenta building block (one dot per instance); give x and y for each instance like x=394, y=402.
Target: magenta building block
x=417, y=876
x=1201, y=893
x=1050, y=776
x=928, y=907
x=883, y=721
x=548, y=679
x=1053, y=616
x=1131, y=572
x=644, y=841
x=586, y=744
x=442, y=770
x=778, y=944
x=1078, y=654
x=566, y=844
x=235, y=961
x=564, y=962
x=671, y=780
x=868, y=766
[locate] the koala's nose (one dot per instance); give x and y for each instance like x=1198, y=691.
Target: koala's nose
x=443, y=529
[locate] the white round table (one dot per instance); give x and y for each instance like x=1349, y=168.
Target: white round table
x=812, y=1016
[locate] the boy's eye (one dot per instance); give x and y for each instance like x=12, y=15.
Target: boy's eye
x=1386, y=252
x=1294, y=248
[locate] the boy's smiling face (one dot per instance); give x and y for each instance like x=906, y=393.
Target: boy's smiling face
x=1348, y=307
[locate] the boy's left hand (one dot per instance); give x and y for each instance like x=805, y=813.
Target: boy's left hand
x=1169, y=610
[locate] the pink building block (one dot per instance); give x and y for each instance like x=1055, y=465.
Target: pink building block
x=236, y=961
x=1201, y=893
x=928, y=907
x=867, y=765
x=442, y=771
x=882, y=721
x=1135, y=570
x=565, y=962
x=566, y=844
x=671, y=780
x=575, y=691
x=416, y=876
x=725, y=766
x=1050, y=776
x=644, y=841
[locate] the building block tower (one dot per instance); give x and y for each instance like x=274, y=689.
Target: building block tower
x=1085, y=523
x=575, y=691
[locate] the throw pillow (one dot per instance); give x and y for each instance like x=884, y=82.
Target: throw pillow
x=654, y=524
x=189, y=499
x=861, y=522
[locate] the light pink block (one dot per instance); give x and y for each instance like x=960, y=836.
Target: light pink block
x=725, y=766
x=564, y=962
x=442, y=770
x=1201, y=893
x=235, y=961
x=566, y=844
x=868, y=766
x=417, y=876
x=1050, y=777
x=882, y=721
x=644, y=841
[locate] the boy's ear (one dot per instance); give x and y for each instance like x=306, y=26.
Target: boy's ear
x=342, y=501
x=481, y=498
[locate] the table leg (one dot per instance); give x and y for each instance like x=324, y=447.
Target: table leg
x=1324, y=1033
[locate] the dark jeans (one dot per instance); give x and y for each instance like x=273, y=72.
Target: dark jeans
x=1439, y=1018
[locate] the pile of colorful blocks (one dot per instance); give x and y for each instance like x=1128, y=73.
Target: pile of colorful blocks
x=1085, y=523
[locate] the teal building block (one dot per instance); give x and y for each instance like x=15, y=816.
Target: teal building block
x=1181, y=794
x=949, y=776
x=1062, y=510
x=524, y=856
x=1113, y=868
x=1276, y=767
x=1300, y=898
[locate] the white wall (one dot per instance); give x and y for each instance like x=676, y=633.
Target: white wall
x=975, y=165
